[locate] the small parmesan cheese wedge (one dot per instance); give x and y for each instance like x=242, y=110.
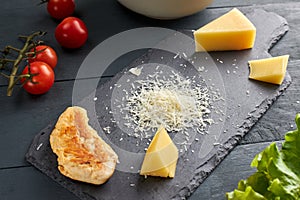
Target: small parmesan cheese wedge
x=231, y=31
x=271, y=70
x=161, y=156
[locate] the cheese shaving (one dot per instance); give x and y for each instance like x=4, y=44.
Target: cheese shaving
x=135, y=71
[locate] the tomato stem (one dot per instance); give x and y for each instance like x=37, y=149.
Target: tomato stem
x=8, y=60
x=22, y=54
x=5, y=75
x=8, y=48
x=34, y=53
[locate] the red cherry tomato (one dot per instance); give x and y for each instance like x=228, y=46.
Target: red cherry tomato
x=46, y=54
x=60, y=9
x=42, y=78
x=71, y=33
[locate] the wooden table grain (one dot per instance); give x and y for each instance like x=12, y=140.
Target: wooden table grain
x=23, y=115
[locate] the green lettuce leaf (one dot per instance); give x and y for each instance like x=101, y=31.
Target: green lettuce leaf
x=278, y=172
x=291, y=148
x=248, y=194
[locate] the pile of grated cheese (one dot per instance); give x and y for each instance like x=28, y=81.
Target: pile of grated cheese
x=175, y=102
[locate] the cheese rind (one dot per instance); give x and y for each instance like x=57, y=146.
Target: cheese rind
x=161, y=156
x=271, y=70
x=231, y=31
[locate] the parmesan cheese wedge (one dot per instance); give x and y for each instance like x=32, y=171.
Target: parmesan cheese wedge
x=231, y=31
x=161, y=156
x=271, y=70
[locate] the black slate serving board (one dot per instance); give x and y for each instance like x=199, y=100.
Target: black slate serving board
x=242, y=103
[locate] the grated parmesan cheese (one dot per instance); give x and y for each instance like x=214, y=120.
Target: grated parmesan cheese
x=174, y=102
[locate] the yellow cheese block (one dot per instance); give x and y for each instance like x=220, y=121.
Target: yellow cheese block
x=161, y=156
x=231, y=31
x=271, y=70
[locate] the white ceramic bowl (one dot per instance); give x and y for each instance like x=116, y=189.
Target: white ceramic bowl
x=166, y=9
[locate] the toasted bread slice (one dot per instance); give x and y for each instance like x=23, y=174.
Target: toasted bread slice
x=82, y=154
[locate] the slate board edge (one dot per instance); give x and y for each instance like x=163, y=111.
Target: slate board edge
x=206, y=169
x=203, y=171
x=279, y=32
x=32, y=160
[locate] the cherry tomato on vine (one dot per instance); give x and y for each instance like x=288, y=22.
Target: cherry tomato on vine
x=71, y=33
x=44, y=54
x=41, y=80
x=60, y=9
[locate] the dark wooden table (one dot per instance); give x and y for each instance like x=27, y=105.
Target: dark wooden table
x=22, y=115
